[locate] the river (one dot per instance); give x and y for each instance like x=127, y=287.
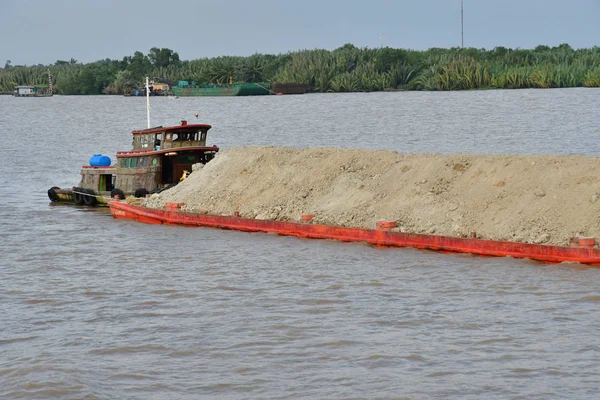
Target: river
x=95, y=308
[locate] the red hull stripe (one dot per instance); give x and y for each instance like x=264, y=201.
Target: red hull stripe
x=150, y=152
x=172, y=128
x=546, y=253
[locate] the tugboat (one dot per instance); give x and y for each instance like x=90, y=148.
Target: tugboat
x=160, y=158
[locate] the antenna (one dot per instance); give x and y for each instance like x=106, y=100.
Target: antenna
x=49, y=82
x=462, y=19
x=381, y=37
x=148, y=101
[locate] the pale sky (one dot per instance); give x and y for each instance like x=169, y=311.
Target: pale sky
x=43, y=31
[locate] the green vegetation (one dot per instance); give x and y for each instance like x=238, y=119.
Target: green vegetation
x=346, y=69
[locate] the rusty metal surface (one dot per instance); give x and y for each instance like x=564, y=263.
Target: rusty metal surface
x=172, y=128
x=378, y=237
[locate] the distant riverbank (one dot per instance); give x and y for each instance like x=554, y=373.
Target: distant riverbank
x=346, y=69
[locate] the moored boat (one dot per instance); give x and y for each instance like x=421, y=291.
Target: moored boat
x=289, y=88
x=35, y=90
x=185, y=88
x=154, y=89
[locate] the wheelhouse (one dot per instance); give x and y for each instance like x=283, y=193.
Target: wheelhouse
x=170, y=138
x=160, y=157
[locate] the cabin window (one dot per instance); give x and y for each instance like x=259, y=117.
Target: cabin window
x=146, y=140
x=132, y=163
x=203, y=136
x=141, y=162
x=154, y=161
x=127, y=163
x=168, y=137
x=186, y=159
x=122, y=163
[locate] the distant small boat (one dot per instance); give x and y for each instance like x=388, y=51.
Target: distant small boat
x=31, y=91
x=185, y=88
x=172, y=97
x=289, y=88
x=35, y=90
x=154, y=89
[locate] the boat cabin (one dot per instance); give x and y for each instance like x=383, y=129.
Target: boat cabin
x=31, y=91
x=160, y=157
x=182, y=136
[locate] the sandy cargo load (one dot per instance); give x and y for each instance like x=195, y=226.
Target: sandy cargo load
x=517, y=205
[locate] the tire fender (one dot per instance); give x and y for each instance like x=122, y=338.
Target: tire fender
x=78, y=197
x=52, y=195
x=90, y=200
x=119, y=192
x=141, y=192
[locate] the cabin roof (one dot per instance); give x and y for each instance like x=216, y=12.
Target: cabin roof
x=179, y=150
x=172, y=128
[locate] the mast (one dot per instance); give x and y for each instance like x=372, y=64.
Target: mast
x=49, y=83
x=148, y=102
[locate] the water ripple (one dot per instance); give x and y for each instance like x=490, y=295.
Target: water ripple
x=93, y=308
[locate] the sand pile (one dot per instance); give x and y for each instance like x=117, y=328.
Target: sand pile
x=534, y=199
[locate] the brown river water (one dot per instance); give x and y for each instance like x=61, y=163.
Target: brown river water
x=94, y=308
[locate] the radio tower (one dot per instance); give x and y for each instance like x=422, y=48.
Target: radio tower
x=462, y=30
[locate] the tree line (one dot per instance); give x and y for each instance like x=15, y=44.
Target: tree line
x=345, y=69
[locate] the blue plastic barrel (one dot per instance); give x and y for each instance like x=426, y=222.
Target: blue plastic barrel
x=98, y=160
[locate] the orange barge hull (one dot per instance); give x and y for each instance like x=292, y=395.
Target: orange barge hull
x=378, y=237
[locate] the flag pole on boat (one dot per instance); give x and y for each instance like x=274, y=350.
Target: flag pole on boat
x=148, y=101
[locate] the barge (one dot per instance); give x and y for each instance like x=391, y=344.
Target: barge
x=581, y=250
x=289, y=88
x=185, y=88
